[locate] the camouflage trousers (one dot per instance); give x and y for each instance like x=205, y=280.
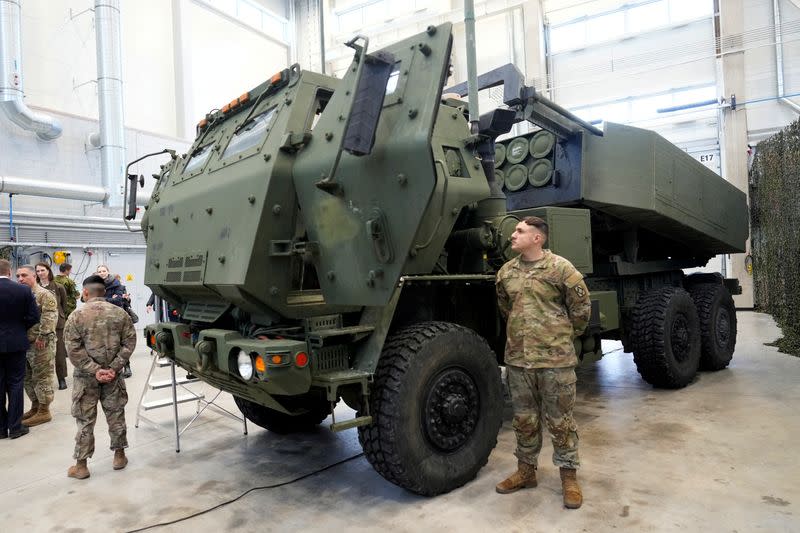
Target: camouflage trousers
x=86, y=392
x=549, y=394
x=39, y=373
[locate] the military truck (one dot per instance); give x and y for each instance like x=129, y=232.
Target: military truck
x=336, y=240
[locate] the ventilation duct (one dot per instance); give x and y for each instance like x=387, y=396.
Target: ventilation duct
x=11, y=81
x=109, y=96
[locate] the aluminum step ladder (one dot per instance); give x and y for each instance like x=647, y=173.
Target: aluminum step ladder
x=186, y=396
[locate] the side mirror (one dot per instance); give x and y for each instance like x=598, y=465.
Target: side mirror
x=135, y=180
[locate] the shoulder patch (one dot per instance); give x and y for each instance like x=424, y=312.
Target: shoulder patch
x=573, y=279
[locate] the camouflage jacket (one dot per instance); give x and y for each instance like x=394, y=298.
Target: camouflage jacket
x=546, y=305
x=72, y=293
x=99, y=335
x=48, y=309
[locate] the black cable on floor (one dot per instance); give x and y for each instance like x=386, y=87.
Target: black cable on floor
x=245, y=493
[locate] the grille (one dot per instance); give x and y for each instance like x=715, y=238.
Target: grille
x=331, y=358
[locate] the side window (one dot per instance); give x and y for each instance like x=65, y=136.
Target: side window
x=251, y=134
x=199, y=158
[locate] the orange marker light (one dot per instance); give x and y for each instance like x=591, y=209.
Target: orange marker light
x=152, y=340
x=301, y=359
x=202, y=124
x=261, y=365
x=244, y=98
x=226, y=108
x=275, y=78
x=277, y=359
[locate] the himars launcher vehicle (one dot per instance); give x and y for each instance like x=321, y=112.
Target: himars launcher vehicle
x=336, y=239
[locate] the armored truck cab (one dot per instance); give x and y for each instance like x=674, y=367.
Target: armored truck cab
x=331, y=240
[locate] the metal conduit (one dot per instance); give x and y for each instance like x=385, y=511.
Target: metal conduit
x=64, y=191
x=11, y=80
x=13, y=244
x=109, y=97
x=51, y=189
x=62, y=225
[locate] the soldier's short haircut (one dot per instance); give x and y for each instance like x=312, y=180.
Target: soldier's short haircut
x=64, y=267
x=5, y=267
x=539, y=224
x=95, y=285
x=27, y=267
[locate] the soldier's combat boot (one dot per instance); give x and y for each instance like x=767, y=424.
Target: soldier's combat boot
x=119, y=459
x=524, y=477
x=79, y=470
x=573, y=498
x=42, y=415
x=27, y=414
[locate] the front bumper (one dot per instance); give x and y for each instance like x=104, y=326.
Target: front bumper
x=211, y=355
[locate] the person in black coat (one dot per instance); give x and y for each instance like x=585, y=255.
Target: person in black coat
x=115, y=291
x=18, y=313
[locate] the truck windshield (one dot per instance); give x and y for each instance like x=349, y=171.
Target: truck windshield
x=252, y=134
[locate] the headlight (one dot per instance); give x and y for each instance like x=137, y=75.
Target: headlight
x=245, y=364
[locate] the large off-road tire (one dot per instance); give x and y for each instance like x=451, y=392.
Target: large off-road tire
x=665, y=337
x=317, y=410
x=717, y=315
x=437, y=406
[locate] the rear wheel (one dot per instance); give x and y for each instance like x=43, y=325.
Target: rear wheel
x=665, y=337
x=437, y=406
x=313, y=410
x=717, y=315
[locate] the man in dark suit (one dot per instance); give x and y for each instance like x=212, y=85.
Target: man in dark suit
x=18, y=313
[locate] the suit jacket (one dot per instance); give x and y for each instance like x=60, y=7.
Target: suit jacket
x=18, y=313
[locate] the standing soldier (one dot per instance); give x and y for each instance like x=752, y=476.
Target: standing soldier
x=41, y=354
x=65, y=281
x=70, y=303
x=546, y=305
x=100, y=339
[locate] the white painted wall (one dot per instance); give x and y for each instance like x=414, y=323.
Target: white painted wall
x=227, y=59
x=59, y=53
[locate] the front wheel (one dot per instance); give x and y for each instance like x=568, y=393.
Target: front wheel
x=437, y=406
x=312, y=409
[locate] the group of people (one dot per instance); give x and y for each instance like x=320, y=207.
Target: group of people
x=39, y=319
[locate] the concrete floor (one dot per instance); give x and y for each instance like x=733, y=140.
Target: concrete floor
x=719, y=455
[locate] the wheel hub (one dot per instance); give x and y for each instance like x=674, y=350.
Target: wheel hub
x=723, y=328
x=680, y=337
x=450, y=413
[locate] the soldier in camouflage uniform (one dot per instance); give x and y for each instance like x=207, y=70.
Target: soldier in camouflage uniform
x=546, y=305
x=39, y=368
x=69, y=304
x=100, y=339
x=65, y=281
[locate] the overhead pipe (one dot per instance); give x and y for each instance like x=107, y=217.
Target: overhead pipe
x=61, y=245
x=51, y=189
x=52, y=216
x=63, y=191
x=63, y=225
x=12, y=92
x=776, y=11
x=109, y=96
